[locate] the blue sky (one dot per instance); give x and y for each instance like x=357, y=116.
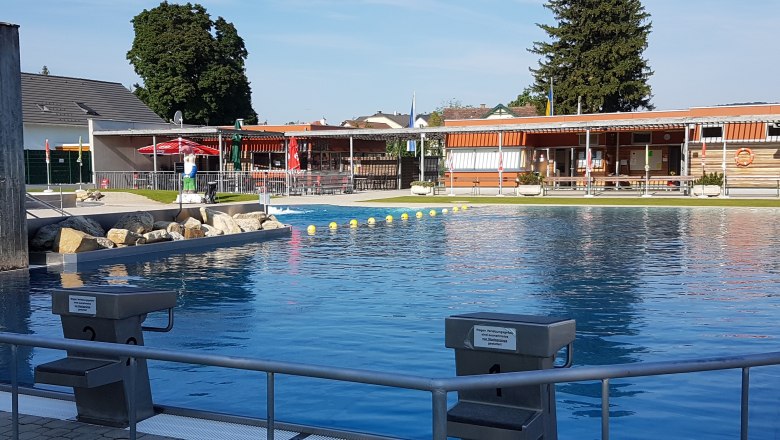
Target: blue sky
x=339, y=59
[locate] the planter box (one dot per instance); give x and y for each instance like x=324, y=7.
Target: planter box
x=421, y=190
x=706, y=190
x=529, y=190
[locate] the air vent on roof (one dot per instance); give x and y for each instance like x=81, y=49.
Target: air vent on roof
x=42, y=107
x=87, y=109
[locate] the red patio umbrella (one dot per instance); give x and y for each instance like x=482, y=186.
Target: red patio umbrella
x=176, y=146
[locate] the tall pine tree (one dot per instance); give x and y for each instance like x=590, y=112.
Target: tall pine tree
x=595, y=53
x=190, y=63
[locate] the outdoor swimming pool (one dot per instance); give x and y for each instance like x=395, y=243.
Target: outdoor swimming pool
x=643, y=284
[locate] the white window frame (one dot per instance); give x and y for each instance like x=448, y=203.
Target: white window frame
x=485, y=159
x=712, y=138
x=594, y=139
x=775, y=126
x=634, y=141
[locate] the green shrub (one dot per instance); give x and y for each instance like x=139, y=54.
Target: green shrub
x=710, y=179
x=422, y=183
x=529, y=179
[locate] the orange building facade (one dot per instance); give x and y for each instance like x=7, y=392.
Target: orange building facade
x=734, y=140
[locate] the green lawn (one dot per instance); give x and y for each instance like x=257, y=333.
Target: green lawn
x=170, y=196
x=594, y=201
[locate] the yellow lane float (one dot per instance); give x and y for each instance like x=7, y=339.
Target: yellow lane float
x=353, y=223
x=432, y=213
x=333, y=225
x=371, y=221
x=311, y=229
x=389, y=219
x=404, y=216
x=419, y=214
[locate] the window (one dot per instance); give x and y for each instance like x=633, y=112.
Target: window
x=642, y=138
x=773, y=131
x=87, y=109
x=485, y=159
x=712, y=132
x=594, y=139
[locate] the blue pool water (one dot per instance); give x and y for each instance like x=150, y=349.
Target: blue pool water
x=643, y=284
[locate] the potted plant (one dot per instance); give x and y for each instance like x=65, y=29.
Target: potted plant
x=529, y=184
x=708, y=185
x=422, y=188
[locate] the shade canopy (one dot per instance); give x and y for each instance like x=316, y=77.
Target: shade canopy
x=183, y=146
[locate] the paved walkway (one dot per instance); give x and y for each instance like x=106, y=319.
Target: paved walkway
x=35, y=427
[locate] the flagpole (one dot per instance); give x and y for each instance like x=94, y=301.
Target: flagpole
x=451, y=166
x=154, y=160
x=587, y=164
x=80, y=163
x=647, y=171
x=48, y=168
x=500, y=164
x=723, y=189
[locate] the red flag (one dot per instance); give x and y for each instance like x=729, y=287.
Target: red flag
x=48, y=153
x=589, y=161
x=500, y=161
x=293, y=163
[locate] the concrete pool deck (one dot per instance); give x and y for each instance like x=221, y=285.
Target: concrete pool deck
x=128, y=202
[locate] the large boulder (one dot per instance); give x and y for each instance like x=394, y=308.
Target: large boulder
x=248, y=224
x=71, y=241
x=83, y=224
x=167, y=226
x=139, y=222
x=211, y=231
x=219, y=220
x=192, y=223
x=272, y=224
x=44, y=237
x=176, y=236
x=158, y=235
x=124, y=237
x=193, y=233
x=260, y=215
x=105, y=243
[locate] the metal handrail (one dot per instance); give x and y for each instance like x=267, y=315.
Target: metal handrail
x=59, y=210
x=438, y=387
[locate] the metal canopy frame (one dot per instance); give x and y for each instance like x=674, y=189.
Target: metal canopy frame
x=439, y=133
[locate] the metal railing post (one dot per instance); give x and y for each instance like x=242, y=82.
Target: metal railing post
x=131, y=398
x=604, y=409
x=270, y=406
x=744, y=415
x=14, y=392
x=439, y=397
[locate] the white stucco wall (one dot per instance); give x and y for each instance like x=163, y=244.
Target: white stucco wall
x=35, y=135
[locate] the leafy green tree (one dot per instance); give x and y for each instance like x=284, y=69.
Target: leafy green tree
x=595, y=53
x=191, y=63
x=529, y=97
x=436, y=119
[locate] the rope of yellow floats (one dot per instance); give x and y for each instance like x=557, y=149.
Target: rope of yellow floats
x=311, y=229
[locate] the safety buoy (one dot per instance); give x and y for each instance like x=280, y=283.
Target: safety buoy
x=744, y=157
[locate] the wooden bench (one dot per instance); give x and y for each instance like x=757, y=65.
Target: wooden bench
x=619, y=182
x=758, y=179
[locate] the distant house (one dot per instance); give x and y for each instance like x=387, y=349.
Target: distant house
x=386, y=120
x=58, y=108
x=483, y=112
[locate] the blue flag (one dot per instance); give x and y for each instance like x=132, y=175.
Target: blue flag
x=411, y=145
x=550, y=110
